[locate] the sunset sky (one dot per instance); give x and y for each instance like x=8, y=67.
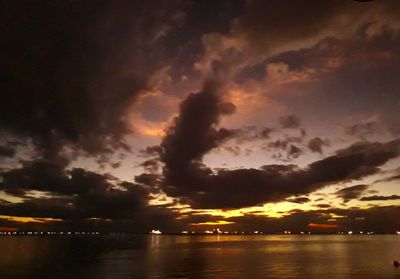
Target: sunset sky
x=192, y=115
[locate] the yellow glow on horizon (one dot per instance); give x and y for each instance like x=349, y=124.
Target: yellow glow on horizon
x=220, y=222
x=219, y=212
x=29, y=219
x=274, y=210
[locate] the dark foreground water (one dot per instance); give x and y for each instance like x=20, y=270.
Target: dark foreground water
x=163, y=256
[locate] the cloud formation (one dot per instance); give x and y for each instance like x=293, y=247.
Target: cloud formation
x=290, y=121
x=353, y=192
x=6, y=151
x=316, y=144
x=78, y=197
x=70, y=71
x=93, y=134
x=378, y=219
x=194, y=134
x=380, y=198
x=269, y=28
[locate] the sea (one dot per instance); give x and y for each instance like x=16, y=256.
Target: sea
x=199, y=256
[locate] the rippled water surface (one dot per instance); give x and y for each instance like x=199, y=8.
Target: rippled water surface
x=165, y=256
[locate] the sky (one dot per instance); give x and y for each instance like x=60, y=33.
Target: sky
x=196, y=115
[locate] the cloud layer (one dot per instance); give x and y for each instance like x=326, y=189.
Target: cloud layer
x=131, y=114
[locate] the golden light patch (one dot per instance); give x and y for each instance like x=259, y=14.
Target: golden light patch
x=150, y=131
x=29, y=219
x=280, y=209
x=181, y=208
x=10, y=198
x=336, y=216
x=274, y=210
x=219, y=212
x=160, y=199
x=221, y=222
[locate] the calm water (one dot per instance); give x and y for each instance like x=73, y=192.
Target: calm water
x=199, y=257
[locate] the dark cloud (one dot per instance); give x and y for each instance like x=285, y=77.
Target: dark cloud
x=6, y=151
x=278, y=144
x=265, y=133
x=153, y=150
x=299, y=200
x=82, y=199
x=294, y=151
x=149, y=179
x=323, y=205
x=362, y=130
x=140, y=220
x=261, y=33
x=41, y=175
x=250, y=133
x=194, y=134
x=234, y=149
x=285, y=144
x=70, y=194
x=289, y=121
x=115, y=165
x=151, y=165
x=388, y=179
x=71, y=70
x=316, y=144
x=351, y=193
x=227, y=108
x=380, y=198
x=250, y=186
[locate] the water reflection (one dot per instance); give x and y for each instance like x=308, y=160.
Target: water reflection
x=211, y=256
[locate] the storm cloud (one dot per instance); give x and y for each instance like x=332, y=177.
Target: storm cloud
x=70, y=71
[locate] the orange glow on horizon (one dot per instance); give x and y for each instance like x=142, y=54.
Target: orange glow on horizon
x=322, y=226
x=8, y=229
